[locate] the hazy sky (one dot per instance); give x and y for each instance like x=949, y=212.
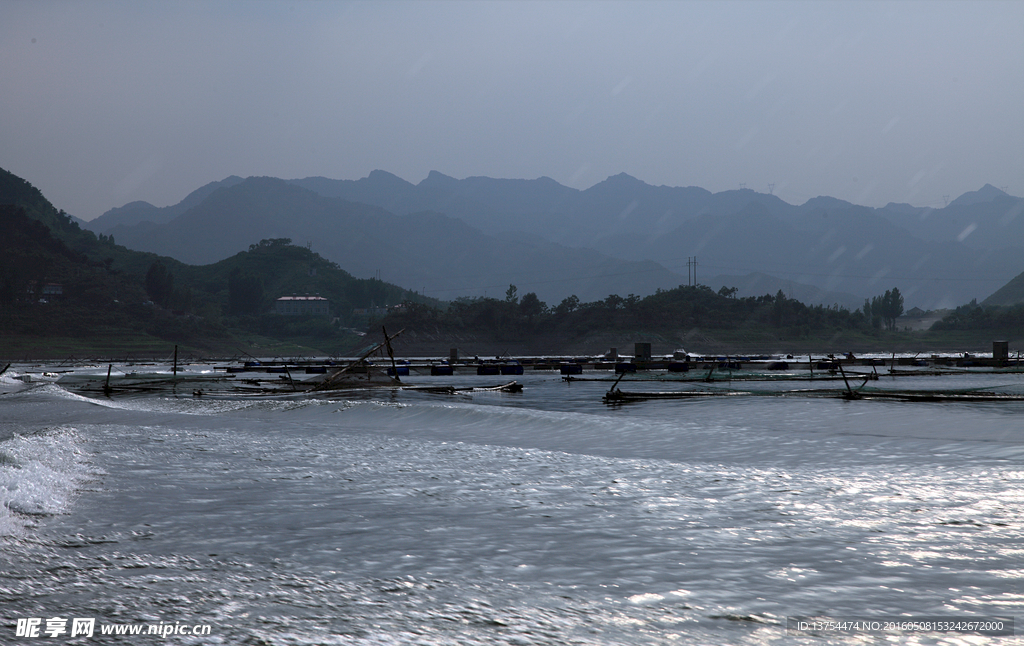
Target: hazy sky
x=103, y=103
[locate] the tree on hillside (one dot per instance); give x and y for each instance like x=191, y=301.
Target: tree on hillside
x=269, y=243
x=888, y=307
x=569, y=304
x=531, y=308
x=613, y=301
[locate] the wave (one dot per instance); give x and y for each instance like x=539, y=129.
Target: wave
x=40, y=475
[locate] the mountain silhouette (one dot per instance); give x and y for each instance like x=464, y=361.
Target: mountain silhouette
x=428, y=251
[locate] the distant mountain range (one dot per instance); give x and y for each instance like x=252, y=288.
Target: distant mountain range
x=137, y=212
x=426, y=251
x=478, y=235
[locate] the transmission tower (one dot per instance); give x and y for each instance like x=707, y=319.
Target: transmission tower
x=771, y=189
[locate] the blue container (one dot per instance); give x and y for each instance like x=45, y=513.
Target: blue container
x=511, y=369
x=441, y=371
x=571, y=369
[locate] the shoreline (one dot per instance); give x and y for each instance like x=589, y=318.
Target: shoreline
x=421, y=345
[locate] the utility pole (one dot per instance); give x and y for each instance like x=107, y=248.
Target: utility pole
x=691, y=271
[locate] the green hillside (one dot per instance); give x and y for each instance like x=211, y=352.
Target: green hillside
x=1012, y=293
x=15, y=191
x=240, y=291
x=284, y=269
x=56, y=301
x=65, y=291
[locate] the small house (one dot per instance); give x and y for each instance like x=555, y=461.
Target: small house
x=302, y=306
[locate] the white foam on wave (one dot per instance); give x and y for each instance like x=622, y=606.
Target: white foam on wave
x=12, y=381
x=40, y=475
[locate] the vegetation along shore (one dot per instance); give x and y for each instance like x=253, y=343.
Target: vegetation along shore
x=68, y=292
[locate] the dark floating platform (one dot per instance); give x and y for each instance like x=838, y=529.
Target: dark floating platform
x=616, y=396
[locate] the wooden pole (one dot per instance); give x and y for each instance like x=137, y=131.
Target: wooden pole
x=621, y=375
x=387, y=340
x=175, y=361
x=849, y=391
x=708, y=378
x=328, y=381
x=106, y=385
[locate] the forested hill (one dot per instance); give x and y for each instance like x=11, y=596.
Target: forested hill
x=668, y=313
x=250, y=281
x=67, y=291
x=15, y=191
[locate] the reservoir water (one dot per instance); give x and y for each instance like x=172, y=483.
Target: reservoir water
x=540, y=517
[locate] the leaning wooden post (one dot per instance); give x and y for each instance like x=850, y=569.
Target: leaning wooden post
x=391, y=353
x=849, y=391
x=106, y=385
x=175, y=361
x=612, y=389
